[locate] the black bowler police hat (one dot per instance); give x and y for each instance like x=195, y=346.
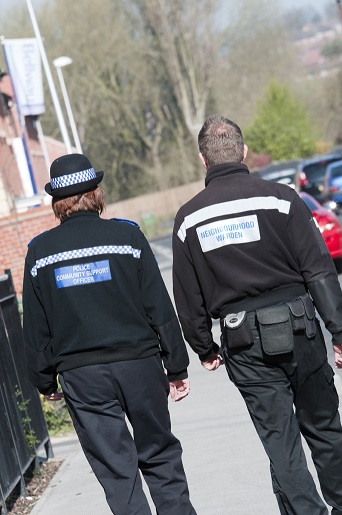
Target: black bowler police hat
x=72, y=174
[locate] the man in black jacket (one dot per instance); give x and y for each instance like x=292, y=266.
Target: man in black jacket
x=97, y=313
x=248, y=252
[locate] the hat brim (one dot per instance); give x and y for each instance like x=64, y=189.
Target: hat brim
x=74, y=189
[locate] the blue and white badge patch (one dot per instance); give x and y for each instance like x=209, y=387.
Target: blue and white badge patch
x=83, y=273
x=243, y=229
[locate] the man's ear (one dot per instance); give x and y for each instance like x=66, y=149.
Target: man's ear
x=202, y=160
x=245, y=152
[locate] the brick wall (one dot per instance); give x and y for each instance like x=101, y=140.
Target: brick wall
x=15, y=232
x=18, y=229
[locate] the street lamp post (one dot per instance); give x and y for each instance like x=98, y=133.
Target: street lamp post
x=59, y=62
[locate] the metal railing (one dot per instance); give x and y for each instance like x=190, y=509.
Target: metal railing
x=23, y=430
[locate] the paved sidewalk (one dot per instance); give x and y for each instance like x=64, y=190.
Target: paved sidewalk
x=226, y=466
x=74, y=489
x=223, y=458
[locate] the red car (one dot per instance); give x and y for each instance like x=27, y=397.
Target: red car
x=328, y=224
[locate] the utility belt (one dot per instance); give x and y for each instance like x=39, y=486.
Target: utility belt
x=276, y=323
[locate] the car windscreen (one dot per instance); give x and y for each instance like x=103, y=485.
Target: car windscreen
x=309, y=203
x=315, y=172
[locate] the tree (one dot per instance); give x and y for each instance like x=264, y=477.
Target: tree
x=110, y=88
x=126, y=105
x=255, y=48
x=185, y=40
x=280, y=127
x=146, y=73
x=332, y=48
x=327, y=107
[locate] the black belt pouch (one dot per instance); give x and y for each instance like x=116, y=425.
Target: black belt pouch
x=310, y=319
x=237, y=331
x=275, y=328
x=303, y=315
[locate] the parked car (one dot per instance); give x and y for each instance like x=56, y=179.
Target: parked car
x=328, y=224
x=333, y=187
x=306, y=175
x=285, y=172
x=313, y=172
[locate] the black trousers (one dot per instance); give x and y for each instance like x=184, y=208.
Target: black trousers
x=272, y=386
x=99, y=397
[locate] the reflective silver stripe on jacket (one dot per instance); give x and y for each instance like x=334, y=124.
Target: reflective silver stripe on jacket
x=80, y=253
x=230, y=208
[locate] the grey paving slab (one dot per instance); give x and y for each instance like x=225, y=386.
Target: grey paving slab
x=227, y=469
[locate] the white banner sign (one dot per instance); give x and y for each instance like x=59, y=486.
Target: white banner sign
x=24, y=66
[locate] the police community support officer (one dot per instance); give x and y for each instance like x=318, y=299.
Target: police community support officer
x=96, y=311
x=247, y=251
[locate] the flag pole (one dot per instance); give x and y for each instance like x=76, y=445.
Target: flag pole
x=51, y=84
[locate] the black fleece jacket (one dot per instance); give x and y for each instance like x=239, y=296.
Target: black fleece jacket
x=93, y=293
x=239, y=238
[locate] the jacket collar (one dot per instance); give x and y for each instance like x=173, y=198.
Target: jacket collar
x=224, y=169
x=78, y=214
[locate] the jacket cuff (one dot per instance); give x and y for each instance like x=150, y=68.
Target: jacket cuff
x=48, y=391
x=175, y=376
x=327, y=297
x=211, y=353
x=336, y=338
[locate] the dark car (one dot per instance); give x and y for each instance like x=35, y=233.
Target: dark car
x=285, y=172
x=306, y=175
x=313, y=172
x=328, y=224
x=333, y=187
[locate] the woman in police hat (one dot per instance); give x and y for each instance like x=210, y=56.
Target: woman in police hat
x=98, y=315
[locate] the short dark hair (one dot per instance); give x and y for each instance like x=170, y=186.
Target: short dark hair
x=220, y=141
x=89, y=201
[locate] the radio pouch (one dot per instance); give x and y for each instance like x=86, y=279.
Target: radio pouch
x=298, y=315
x=303, y=315
x=310, y=318
x=238, y=332
x=275, y=329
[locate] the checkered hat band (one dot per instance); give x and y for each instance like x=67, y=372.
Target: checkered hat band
x=81, y=253
x=73, y=178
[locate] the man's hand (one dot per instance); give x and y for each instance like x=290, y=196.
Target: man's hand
x=179, y=389
x=56, y=396
x=338, y=355
x=212, y=363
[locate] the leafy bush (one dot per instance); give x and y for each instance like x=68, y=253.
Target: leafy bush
x=29, y=433
x=57, y=417
x=280, y=127
x=332, y=49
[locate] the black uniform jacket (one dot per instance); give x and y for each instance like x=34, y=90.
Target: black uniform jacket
x=93, y=293
x=241, y=237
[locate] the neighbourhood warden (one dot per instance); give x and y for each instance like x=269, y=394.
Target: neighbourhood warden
x=97, y=313
x=248, y=252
